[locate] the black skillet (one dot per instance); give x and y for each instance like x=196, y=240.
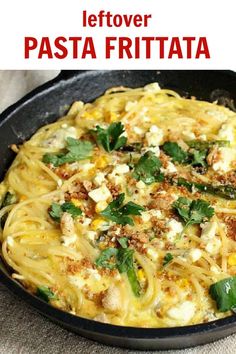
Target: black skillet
x=52, y=100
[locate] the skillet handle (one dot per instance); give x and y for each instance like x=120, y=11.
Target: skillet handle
x=67, y=74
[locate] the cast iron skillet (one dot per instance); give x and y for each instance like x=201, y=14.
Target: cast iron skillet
x=50, y=101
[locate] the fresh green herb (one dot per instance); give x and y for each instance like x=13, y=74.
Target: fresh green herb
x=224, y=293
x=122, y=259
x=123, y=241
x=110, y=138
x=45, y=293
x=119, y=214
x=223, y=191
x=148, y=169
x=75, y=150
x=105, y=258
x=8, y=199
x=167, y=259
x=125, y=264
x=205, y=145
x=193, y=211
x=173, y=150
x=198, y=158
x=56, y=210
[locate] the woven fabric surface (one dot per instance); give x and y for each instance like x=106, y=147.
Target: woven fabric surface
x=22, y=329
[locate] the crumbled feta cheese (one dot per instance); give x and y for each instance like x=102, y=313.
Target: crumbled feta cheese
x=94, y=273
x=195, y=254
x=100, y=194
x=10, y=241
x=153, y=87
x=170, y=168
x=226, y=132
x=152, y=253
x=189, y=135
x=213, y=246
x=130, y=105
x=208, y=230
x=145, y=216
x=138, y=131
x=91, y=235
x=155, y=136
x=175, y=228
x=99, y=179
x=141, y=185
x=77, y=281
x=86, y=221
x=120, y=169
x=203, y=137
x=68, y=240
x=225, y=157
x=156, y=213
x=58, y=139
x=117, y=174
x=87, y=166
x=183, y=312
x=154, y=149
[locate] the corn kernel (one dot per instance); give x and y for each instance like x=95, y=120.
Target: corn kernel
x=76, y=202
x=183, y=283
x=102, y=245
x=22, y=198
x=232, y=259
x=102, y=161
x=100, y=206
x=96, y=114
x=96, y=223
x=141, y=275
x=86, y=115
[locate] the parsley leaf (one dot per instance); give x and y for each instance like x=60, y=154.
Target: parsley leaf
x=119, y=214
x=125, y=264
x=110, y=138
x=148, y=169
x=123, y=241
x=193, y=212
x=122, y=259
x=45, y=293
x=75, y=150
x=167, y=259
x=198, y=157
x=105, y=257
x=173, y=150
x=56, y=210
x=224, y=293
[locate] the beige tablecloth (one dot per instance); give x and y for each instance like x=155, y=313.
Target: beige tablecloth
x=24, y=331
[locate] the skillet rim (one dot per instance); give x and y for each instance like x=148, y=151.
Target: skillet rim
x=107, y=330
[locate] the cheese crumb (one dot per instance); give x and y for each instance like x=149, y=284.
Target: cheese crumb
x=183, y=312
x=155, y=136
x=100, y=194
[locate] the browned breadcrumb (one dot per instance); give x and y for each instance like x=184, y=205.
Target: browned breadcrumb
x=227, y=178
x=230, y=222
x=74, y=267
x=77, y=191
x=114, y=189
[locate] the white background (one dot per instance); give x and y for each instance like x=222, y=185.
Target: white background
x=213, y=19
